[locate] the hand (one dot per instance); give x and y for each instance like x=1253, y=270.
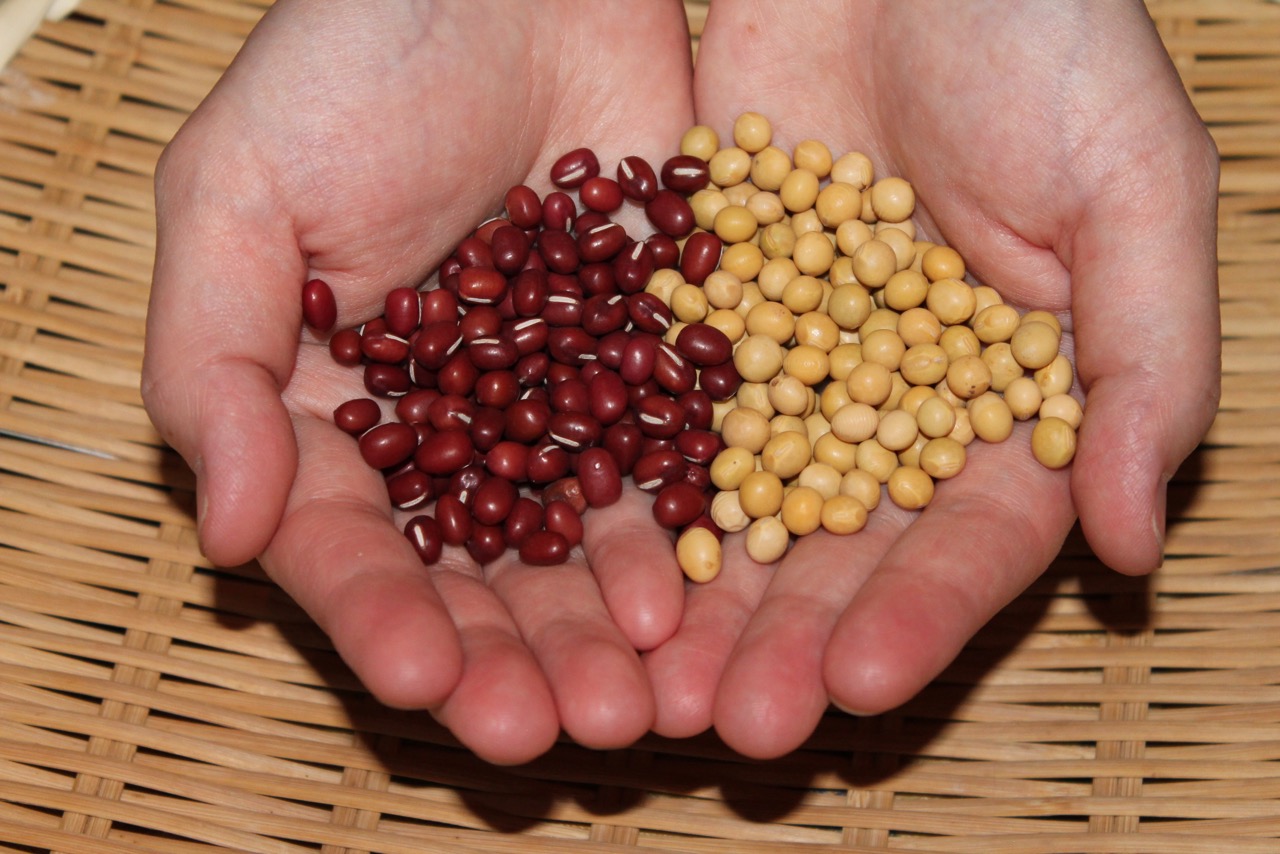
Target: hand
x=358, y=144
x=1053, y=146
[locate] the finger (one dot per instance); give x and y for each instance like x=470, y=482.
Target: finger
x=502, y=709
x=602, y=696
x=339, y=555
x=685, y=670
x=1148, y=346
x=771, y=694
x=636, y=568
x=220, y=343
x=987, y=534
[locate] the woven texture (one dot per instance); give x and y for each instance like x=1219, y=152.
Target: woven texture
x=151, y=702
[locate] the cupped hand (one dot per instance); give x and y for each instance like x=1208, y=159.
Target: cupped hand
x=358, y=142
x=1053, y=146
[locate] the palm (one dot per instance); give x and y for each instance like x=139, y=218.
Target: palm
x=338, y=146
x=1017, y=139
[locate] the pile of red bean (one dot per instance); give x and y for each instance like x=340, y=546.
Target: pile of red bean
x=539, y=373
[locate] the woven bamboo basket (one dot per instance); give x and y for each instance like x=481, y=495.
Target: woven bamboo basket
x=149, y=702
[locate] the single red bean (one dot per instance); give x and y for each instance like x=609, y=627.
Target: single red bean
x=523, y=207
x=426, y=537
x=384, y=347
x=559, y=212
x=574, y=431
x=528, y=334
x=638, y=360
x=458, y=376
x=493, y=354
x=510, y=249
x=721, y=381
x=650, y=445
x=637, y=393
x=358, y=415
x=685, y=173
x=699, y=476
x=473, y=251
x=548, y=463
x=563, y=310
x=699, y=446
x=597, y=279
x=464, y=482
x=609, y=349
x=486, y=428
x=402, y=308
x=498, y=389
x=532, y=369
x=420, y=377
x=559, y=516
x=567, y=489
x=409, y=489
x=319, y=308
x=493, y=500
x=454, y=519
x=559, y=372
x=624, y=441
x=485, y=544
x=436, y=342
x=388, y=445
x=560, y=250
x=649, y=313
x=414, y=406
x=386, y=380
x=670, y=213
x=601, y=242
x=574, y=168
x=665, y=250
x=526, y=517
x=659, y=416
x=600, y=194
x=529, y=292
x=704, y=345
x=480, y=321
x=572, y=395
x=571, y=345
x=599, y=476
x=658, y=469
x=450, y=412
x=527, y=420
x=544, y=548
x=587, y=220
x=700, y=257
x=607, y=401
x=636, y=179
x=344, y=347
x=447, y=452
x=509, y=460
x=604, y=313
x=481, y=285
x=438, y=305
x=673, y=372
x=632, y=267
x=678, y=504
x=698, y=409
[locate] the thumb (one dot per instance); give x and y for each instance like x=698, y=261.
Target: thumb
x=222, y=335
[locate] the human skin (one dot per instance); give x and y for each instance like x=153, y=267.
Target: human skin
x=360, y=148
x=1053, y=146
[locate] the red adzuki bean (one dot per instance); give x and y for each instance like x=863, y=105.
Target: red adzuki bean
x=319, y=308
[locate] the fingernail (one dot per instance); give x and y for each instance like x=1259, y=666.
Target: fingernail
x=848, y=711
x=1159, y=513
